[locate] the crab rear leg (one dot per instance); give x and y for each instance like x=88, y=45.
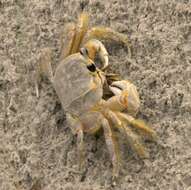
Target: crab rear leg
x=138, y=124
x=135, y=142
x=92, y=121
x=77, y=128
x=112, y=146
x=132, y=138
x=80, y=146
x=44, y=68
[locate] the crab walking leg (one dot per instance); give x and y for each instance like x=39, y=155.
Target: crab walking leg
x=138, y=124
x=81, y=29
x=77, y=128
x=67, y=40
x=44, y=64
x=44, y=68
x=112, y=146
x=135, y=142
x=94, y=47
x=132, y=138
x=80, y=146
x=105, y=33
x=111, y=116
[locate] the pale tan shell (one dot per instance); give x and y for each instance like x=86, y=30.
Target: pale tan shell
x=72, y=82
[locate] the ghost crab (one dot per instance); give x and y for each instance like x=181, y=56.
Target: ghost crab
x=79, y=86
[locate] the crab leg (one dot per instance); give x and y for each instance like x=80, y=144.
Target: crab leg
x=73, y=35
x=67, y=40
x=138, y=124
x=132, y=138
x=77, y=128
x=134, y=141
x=44, y=68
x=81, y=29
x=108, y=34
x=112, y=146
x=80, y=146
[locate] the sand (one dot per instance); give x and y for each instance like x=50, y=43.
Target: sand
x=37, y=148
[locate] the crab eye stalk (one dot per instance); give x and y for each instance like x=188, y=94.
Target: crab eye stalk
x=91, y=67
x=84, y=51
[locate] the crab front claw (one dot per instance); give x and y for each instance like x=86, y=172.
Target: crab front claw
x=93, y=47
x=126, y=95
x=124, y=105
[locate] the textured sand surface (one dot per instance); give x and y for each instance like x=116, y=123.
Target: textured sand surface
x=38, y=150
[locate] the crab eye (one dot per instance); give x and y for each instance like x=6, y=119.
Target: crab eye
x=84, y=51
x=91, y=67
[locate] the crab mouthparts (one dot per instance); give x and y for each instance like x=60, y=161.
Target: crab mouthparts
x=101, y=76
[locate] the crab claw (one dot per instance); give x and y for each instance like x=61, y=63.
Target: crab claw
x=118, y=86
x=115, y=88
x=128, y=95
x=94, y=47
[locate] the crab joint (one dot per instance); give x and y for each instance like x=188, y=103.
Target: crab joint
x=95, y=46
